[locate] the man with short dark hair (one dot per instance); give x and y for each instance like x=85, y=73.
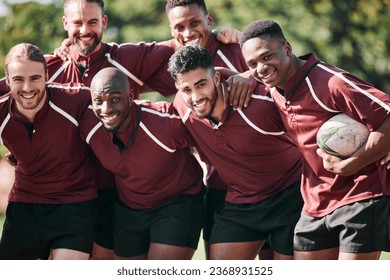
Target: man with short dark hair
x=191, y=23
x=251, y=153
x=346, y=200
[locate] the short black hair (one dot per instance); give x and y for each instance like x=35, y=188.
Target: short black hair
x=262, y=27
x=99, y=2
x=182, y=3
x=190, y=58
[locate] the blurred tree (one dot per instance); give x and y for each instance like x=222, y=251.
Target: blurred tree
x=31, y=22
x=351, y=34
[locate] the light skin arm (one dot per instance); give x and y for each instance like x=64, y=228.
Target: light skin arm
x=376, y=148
x=63, y=51
x=224, y=35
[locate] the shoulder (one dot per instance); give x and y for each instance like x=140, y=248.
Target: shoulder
x=139, y=47
x=160, y=109
x=4, y=101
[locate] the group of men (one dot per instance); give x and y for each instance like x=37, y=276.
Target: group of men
x=100, y=174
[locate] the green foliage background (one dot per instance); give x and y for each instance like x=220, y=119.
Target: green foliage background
x=352, y=34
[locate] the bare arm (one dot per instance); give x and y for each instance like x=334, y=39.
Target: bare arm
x=240, y=87
x=63, y=51
x=227, y=35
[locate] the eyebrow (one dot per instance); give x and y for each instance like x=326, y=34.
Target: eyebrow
x=29, y=77
x=200, y=81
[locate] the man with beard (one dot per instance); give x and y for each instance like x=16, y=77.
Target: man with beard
x=251, y=153
x=191, y=23
x=51, y=206
x=85, y=21
x=159, y=208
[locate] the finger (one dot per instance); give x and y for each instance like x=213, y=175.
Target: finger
x=248, y=98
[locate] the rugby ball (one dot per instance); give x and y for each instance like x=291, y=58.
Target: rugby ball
x=341, y=136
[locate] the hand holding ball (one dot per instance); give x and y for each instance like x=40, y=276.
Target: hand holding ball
x=341, y=136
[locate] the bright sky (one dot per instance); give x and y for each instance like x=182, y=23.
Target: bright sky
x=4, y=11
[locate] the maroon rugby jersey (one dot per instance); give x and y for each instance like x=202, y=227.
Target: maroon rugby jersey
x=142, y=63
x=317, y=92
x=53, y=163
x=223, y=55
x=248, y=148
x=153, y=161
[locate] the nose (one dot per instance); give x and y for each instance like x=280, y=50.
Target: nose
x=187, y=32
x=84, y=29
x=194, y=97
x=104, y=108
x=27, y=86
x=261, y=68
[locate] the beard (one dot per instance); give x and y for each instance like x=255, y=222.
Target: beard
x=32, y=104
x=85, y=49
x=206, y=114
x=122, y=123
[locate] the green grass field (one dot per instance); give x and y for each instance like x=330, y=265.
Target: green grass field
x=199, y=254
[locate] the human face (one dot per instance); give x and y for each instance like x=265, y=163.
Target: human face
x=268, y=60
x=27, y=82
x=85, y=24
x=112, y=107
x=199, y=91
x=190, y=25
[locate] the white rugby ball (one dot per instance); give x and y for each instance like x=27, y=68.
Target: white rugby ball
x=341, y=136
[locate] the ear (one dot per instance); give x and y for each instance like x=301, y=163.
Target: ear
x=217, y=78
x=288, y=48
x=210, y=19
x=65, y=23
x=171, y=29
x=104, y=22
x=131, y=96
x=7, y=81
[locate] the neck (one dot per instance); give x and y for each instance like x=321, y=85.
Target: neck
x=221, y=104
x=30, y=114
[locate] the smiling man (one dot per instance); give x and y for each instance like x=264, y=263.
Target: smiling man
x=159, y=208
x=54, y=176
x=346, y=200
x=250, y=151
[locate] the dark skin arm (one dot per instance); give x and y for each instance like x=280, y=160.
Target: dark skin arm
x=224, y=35
x=240, y=87
x=10, y=158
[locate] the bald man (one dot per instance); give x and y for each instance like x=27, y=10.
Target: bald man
x=159, y=207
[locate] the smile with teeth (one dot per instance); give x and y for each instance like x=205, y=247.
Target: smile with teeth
x=110, y=118
x=28, y=95
x=192, y=41
x=268, y=76
x=85, y=38
x=201, y=104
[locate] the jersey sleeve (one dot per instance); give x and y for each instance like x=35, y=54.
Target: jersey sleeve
x=359, y=100
x=150, y=62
